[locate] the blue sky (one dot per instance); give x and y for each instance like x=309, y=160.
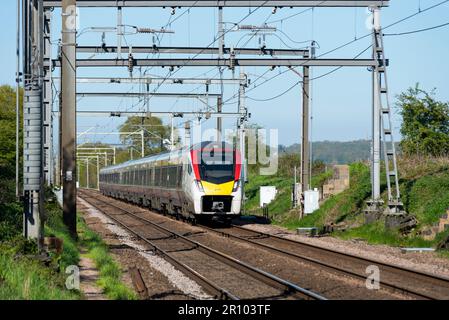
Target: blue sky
x=341, y=101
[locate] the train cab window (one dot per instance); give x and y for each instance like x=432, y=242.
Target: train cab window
x=217, y=170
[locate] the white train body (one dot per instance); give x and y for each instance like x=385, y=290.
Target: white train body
x=202, y=180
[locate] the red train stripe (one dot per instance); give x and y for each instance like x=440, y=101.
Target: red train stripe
x=195, y=162
x=238, y=165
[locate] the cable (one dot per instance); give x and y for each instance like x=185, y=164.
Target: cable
x=289, y=38
x=417, y=31
x=208, y=46
x=300, y=81
x=346, y=44
x=298, y=13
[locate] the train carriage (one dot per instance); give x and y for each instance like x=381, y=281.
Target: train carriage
x=201, y=181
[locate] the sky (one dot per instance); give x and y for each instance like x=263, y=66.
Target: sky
x=341, y=101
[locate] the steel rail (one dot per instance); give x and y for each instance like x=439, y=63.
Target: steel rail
x=256, y=273
x=389, y=267
x=208, y=285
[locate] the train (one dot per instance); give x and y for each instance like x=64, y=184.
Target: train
x=200, y=182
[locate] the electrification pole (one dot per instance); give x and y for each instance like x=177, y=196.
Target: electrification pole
x=305, y=146
x=32, y=120
x=17, y=99
x=68, y=113
x=376, y=140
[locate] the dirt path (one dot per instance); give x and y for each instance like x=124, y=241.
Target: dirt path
x=89, y=276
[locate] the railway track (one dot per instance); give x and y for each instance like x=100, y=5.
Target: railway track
x=181, y=252
x=414, y=283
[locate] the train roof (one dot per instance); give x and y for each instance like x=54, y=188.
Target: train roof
x=168, y=155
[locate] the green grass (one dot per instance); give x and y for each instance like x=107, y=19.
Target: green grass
x=22, y=278
x=55, y=227
x=26, y=278
x=336, y=208
x=282, y=203
x=110, y=273
x=97, y=250
x=424, y=185
x=375, y=233
x=427, y=197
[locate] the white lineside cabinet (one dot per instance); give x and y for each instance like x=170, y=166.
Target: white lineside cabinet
x=311, y=201
x=267, y=194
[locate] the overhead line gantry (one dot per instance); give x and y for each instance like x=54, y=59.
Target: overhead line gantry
x=36, y=18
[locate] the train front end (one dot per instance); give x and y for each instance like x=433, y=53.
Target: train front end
x=217, y=179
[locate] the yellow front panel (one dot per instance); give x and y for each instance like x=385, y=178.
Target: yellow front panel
x=212, y=189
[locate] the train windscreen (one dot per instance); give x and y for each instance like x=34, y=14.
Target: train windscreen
x=217, y=166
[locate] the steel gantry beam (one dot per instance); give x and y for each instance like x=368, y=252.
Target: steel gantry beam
x=192, y=50
x=223, y=3
x=101, y=113
x=223, y=62
x=141, y=94
x=156, y=81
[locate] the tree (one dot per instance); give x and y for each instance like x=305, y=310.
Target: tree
x=155, y=132
x=10, y=210
x=425, y=123
x=8, y=142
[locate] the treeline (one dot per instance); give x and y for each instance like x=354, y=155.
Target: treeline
x=334, y=152
x=10, y=208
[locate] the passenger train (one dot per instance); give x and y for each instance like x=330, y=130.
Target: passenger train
x=201, y=181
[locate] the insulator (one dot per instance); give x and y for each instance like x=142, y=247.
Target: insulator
x=145, y=30
x=130, y=63
x=232, y=61
x=246, y=27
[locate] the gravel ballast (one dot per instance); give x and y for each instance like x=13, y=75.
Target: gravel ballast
x=176, y=278
x=428, y=262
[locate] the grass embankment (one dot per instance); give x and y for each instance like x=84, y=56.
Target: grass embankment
x=24, y=277
x=424, y=185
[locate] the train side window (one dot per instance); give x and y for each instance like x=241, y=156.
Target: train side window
x=189, y=168
x=179, y=176
x=157, y=177
x=163, y=177
x=171, y=179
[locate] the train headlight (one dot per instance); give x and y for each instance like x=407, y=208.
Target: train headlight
x=199, y=185
x=236, y=185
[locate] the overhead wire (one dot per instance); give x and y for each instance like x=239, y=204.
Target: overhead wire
x=346, y=44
